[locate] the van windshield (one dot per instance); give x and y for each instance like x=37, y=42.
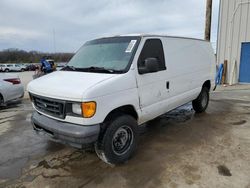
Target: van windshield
x=107, y=55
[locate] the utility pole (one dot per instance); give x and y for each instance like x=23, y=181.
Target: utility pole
x=208, y=20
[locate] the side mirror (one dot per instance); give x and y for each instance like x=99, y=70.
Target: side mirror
x=149, y=65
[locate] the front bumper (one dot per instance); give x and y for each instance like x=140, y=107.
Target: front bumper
x=68, y=133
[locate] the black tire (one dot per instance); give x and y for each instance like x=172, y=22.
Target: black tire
x=109, y=145
x=200, y=104
x=22, y=70
x=6, y=70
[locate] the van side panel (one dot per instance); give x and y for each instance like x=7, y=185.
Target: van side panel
x=189, y=64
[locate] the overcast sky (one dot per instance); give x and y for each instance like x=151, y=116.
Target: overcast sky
x=30, y=24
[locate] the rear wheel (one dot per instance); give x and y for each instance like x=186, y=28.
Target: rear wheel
x=118, y=142
x=200, y=104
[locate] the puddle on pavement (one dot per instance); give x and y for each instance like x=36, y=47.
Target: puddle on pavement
x=13, y=168
x=179, y=115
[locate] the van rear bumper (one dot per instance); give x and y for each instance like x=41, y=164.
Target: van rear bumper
x=67, y=133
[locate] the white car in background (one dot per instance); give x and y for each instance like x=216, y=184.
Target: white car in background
x=11, y=68
x=11, y=88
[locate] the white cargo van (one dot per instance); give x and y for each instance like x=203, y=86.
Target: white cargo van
x=113, y=85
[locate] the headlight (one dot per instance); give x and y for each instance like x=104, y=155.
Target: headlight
x=85, y=109
x=76, y=108
x=88, y=109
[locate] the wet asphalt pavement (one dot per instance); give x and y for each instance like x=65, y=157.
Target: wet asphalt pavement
x=178, y=149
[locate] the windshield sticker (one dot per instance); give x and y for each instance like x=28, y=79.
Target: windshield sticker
x=130, y=46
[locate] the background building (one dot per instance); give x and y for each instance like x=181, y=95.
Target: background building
x=234, y=39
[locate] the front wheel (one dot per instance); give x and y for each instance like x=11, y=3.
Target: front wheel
x=119, y=141
x=200, y=104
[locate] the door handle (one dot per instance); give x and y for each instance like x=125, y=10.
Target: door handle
x=167, y=85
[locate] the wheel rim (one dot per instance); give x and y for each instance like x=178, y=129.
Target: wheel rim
x=122, y=140
x=204, y=100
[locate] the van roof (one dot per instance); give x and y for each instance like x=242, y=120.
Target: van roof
x=156, y=35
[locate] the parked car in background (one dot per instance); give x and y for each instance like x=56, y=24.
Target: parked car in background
x=12, y=68
x=32, y=67
x=2, y=67
x=11, y=88
x=25, y=66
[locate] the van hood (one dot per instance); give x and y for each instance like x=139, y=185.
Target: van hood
x=66, y=85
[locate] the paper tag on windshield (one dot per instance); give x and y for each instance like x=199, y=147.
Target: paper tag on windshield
x=130, y=46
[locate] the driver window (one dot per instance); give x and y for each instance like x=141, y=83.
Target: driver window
x=152, y=49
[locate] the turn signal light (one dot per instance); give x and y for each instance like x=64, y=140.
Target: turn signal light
x=88, y=109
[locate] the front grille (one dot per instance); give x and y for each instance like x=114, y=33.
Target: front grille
x=52, y=107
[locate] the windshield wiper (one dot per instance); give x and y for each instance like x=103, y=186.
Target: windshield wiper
x=99, y=69
x=68, y=67
x=91, y=69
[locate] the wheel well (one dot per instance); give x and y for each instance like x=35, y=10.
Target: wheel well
x=127, y=109
x=207, y=84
